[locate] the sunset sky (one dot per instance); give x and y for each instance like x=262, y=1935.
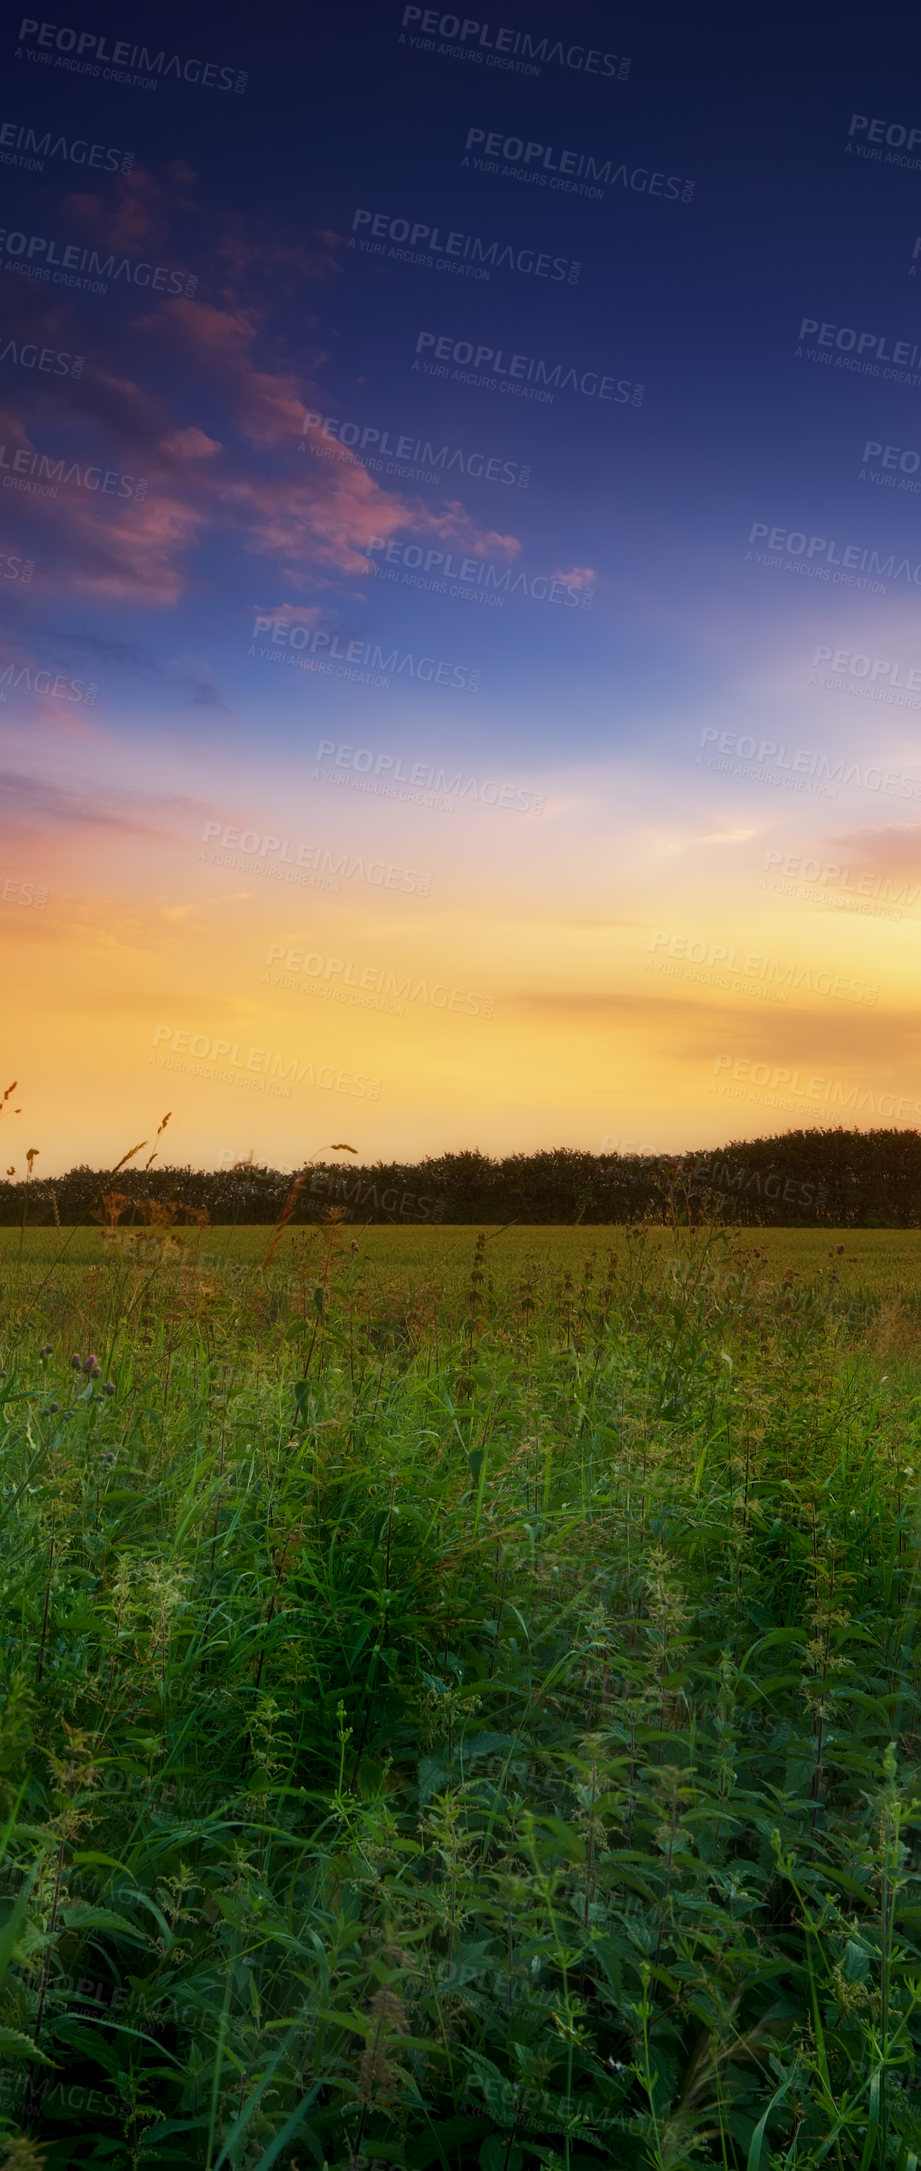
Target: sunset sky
x=446, y=710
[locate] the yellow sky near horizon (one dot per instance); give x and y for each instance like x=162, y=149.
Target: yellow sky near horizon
x=580, y=977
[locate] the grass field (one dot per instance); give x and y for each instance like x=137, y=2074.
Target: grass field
x=877, y=1259
x=460, y=1699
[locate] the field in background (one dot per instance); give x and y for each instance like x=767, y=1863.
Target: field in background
x=871, y=1259
x=460, y=1699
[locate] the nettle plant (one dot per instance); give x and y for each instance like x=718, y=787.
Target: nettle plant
x=467, y=1721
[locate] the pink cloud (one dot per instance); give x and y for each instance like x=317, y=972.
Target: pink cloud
x=27, y=691
x=328, y=526
x=253, y=255
x=893, y=851
x=121, y=547
x=191, y=444
x=267, y=406
x=139, y=212
x=291, y=614
x=140, y=209
x=579, y=576
x=315, y=524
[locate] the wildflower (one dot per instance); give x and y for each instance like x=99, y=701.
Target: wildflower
x=76, y=1364
x=51, y=1409
x=92, y=1365
x=108, y=1458
x=108, y=1387
x=46, y=1350
x=378, y=2077
x=23, y=2155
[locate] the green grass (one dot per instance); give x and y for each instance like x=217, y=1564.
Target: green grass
x=461, y=1700
x=870, y=1258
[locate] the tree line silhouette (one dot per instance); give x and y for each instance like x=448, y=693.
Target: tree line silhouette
x=829, y=1177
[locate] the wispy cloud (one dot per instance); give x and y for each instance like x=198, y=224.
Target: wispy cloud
x=39, y=802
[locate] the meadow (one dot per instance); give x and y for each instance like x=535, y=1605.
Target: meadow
x=460, y=1698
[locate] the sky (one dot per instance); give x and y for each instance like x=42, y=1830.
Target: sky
x=460, y=566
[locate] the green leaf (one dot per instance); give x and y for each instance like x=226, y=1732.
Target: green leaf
x=354, y=2022
x=869, y=2146
x=294, y=2127
x=432, y=1776
x=84, y=1859
x=605, y=1950
x=16, y=2045
x=487, y=1744
x=14, y=1923
x=757, y=2139
x=495, y=2155
x=79, y=1917
x=252, y=2103
x=498, y=2093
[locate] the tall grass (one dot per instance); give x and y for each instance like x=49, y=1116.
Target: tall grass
x=469, y=1728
